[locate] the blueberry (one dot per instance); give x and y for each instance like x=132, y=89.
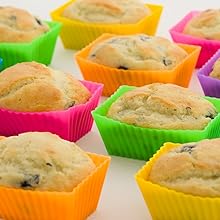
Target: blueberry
x=144, y=38
x=188, y=110
x=38, y=21
x=187, y=148
x=13, y=17
x=49, y=164
x=210, y=115
x=123, y=68
x=167, y=62
x=30, y=181
x=72, y=104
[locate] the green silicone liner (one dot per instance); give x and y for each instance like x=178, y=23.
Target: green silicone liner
x=40, y=49
x=130, y=141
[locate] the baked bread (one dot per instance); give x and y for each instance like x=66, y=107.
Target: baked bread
x=34, y=87
x=192, y=168
x=17, y=25
x=137, y=52
x=216, y=70
x=42, y=161
x=163, y=106
x=205, y=25
x=107, y=11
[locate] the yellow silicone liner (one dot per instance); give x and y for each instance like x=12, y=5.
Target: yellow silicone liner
x=81, y=202
x=112, y=78
x=167, y=204
x=76, y=34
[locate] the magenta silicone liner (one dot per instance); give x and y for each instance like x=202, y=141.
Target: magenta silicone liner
x=208, y=47
x=70, y=124
x=210, y=85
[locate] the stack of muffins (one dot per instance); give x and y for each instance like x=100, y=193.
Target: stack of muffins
x=43, y=110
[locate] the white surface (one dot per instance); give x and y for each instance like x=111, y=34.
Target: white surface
x=120, y=198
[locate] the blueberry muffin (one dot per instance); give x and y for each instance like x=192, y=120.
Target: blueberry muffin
x=216, y=70
x=107, y=11
x=205, y=25
x=192, y=168
x=17, y=25
x=42, y=161
x=137, y=52
x=34, y=87
x=163, y=106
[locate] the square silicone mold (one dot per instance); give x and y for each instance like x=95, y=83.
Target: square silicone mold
x=210, y=85
x=22, y=204
x=40, y=49
x=208, y=47
x=70, y=124
x=164, y=203
x=76, y=34
x=112, y=78
x=135, y=142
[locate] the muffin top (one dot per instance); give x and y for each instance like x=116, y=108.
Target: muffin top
x=205, y=25
x=192, y=168
x=107, y=11
x=163, y=106
x=216, y=70
x=17, y=25
x=34, y=87
x=42, y=161
x=137, y=52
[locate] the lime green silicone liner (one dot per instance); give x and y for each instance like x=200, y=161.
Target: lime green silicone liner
x=40, y=49
x=125, y=140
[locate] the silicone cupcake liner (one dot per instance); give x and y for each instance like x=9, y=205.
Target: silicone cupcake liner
x=1, y=63
x=112, y=78
x=40, y=49
x=70, y=124
x=164, y=203
x=81, y=202
x=209, y=47
x=210, y=85
x=76, y=34
x=130, y=141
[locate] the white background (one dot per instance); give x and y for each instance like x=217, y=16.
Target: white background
x=120, y=198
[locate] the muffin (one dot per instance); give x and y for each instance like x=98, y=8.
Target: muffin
x=191, y=168
x=42, y=161
x=107, y=11
x=216, y=70
x=163, y=106
x=34, y=87
x=205, y=25
x=18, y=25
x=137, y=52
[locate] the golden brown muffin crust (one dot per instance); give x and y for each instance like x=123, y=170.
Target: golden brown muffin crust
x=216, y=70
x=18, y=25
x=192, y=168
x=137, y=52
x=31, y=86
x=163, y=106
x=107, y=11
x=42, y=161
x=205, y=25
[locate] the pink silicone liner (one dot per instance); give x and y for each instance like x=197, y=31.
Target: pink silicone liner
x=208, y=47
x=70, y=124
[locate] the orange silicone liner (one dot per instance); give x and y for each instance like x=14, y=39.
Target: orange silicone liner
x=112, y=78
x=168, y=204
x=76, y=34
x=22, y=204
